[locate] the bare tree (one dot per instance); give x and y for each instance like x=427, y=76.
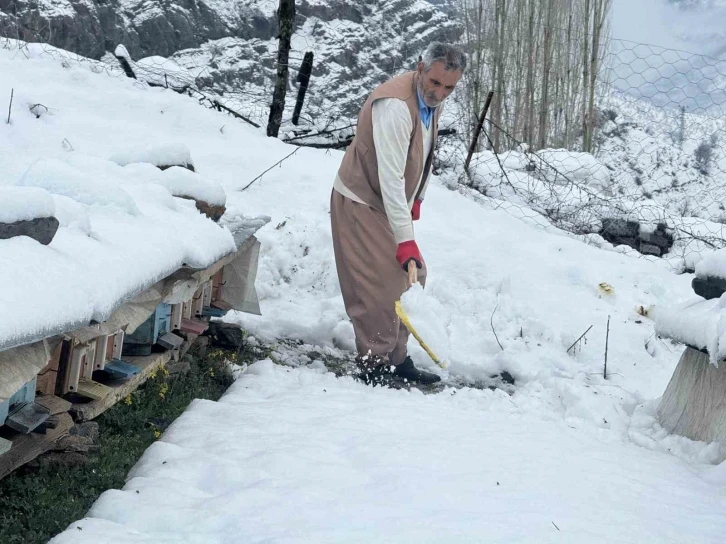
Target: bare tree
x=543, y=60
x=286, y=17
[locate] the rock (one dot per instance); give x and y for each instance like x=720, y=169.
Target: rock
x=89, y=429
x=650, y=249
x=59, y=460
x=178, y=368
x=188, y=166
x=226, y=335
x=709, y=288
x=214, y=212
x=76, y=443
x=619, y=227
x=42, y=229
x=656, y=239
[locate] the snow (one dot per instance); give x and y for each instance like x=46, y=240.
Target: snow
x=176, y=154
x=698, y=323
x=292, y=453
x=122, y=52
x=428, y=317
x=24, y=204
x=713, y=265
x=59, y=178
x=320, y=459
x=162, y=71
x=581, y=167
x=121, y=230
x=182, y=182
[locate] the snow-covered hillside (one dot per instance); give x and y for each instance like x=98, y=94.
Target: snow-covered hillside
x=564, y=454
x=231, y=47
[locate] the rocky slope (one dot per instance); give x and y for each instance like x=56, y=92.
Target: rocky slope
x=230, y=46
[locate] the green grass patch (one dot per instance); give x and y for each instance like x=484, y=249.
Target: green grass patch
x=37, y=504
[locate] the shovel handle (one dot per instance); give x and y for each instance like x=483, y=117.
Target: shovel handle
x=412, y=272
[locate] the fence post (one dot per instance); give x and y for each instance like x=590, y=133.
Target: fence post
x=286, y=17
x=303, y=78
x=477, y=132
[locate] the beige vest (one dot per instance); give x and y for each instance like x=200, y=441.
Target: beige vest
x=359, y=169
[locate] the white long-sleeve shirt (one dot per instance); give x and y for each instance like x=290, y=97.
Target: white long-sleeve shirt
x=392, y=128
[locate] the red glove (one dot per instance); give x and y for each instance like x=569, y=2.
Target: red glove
x=408, y=251
x=416, y=211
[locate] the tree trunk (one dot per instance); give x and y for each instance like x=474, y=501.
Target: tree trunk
x=499, y=84
x=286, y=17
x=547, y=66
x=585, y=73
x=529, y=124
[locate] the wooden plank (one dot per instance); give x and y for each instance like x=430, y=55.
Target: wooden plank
x=27, y=417
x=147, y=365
x=5, y=446
x=46, y=383
x=56, y=405
x=27, y=447
x=193, y=326
x=170, y=341
x=121, y=370
x=93, y=390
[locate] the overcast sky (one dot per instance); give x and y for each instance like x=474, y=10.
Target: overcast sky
x=658, y=22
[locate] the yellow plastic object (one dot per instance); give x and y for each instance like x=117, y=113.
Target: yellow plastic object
x=606, y=288
x=412, y=330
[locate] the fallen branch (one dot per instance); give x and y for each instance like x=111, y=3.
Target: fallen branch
x=607, y=337
x=10, y=108
x=321, y=133
x=270, y=168
x=334, y=145
x=581, y=337
x=491, y=322
x=220, y=107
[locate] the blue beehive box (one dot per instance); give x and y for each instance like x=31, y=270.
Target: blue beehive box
x=147, y=334
x=23, y=395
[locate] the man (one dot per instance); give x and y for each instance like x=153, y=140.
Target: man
x=377, y=194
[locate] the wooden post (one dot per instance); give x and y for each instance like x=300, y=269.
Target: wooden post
x=477, y=132
x=286, y=17
x=303, y=77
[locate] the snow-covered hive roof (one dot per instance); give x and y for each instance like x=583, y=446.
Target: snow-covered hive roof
x=700, y=323
x=121, y=230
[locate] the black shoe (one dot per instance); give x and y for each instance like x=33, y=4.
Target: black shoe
x=408, y=372
x=373, y=370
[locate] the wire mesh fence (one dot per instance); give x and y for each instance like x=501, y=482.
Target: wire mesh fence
x=654, y=182
x=651, y=180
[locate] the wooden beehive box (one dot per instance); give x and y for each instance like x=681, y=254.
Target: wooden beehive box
x=20, y=412
x=142, y=340
x=198, y=302
x=25, y=394
x=77, y=361
x=176, y=316
x=48, y=376
x=108, y=348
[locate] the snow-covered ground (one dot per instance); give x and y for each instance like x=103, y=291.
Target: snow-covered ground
x=298, y=455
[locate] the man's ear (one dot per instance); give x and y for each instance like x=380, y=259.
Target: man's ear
x=420, y=68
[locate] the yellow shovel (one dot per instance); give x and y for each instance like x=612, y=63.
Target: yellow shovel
x=413, y=278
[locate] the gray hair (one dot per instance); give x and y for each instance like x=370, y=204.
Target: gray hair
x=452, y=57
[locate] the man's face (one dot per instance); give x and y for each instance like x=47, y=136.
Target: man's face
x=437, y=84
